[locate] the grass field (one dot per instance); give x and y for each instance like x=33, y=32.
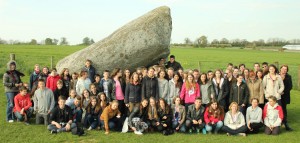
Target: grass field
x=209, y=59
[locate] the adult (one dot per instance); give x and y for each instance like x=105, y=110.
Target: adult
x=255, y=89
x=163, y=85
x=90, y=70
x=179, y=115
x=11, y=81
x=207, y=90
x=221, y=88
x=286, y=97
x=254, y=117
x=118, y=89
x=164, y=117
x=272, y=116
x=133, y=92
x=150, y=85
x=174, y=64
x=175, y=85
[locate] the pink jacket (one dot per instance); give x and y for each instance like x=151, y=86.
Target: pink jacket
x=189, y=96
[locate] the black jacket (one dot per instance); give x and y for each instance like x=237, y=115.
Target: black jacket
x=61, y=115
x=60, y=92
x=192, y=114
x=143, y=115
x=113, y=91
x=239, y=94
x=150, y=88
x=288, y=85
x=175, y=65
x=133, y=93
x=91, y=72
x=161, y=113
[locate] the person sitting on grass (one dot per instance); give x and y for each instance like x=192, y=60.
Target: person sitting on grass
x=165, y=118
x=22, y=108
x=61, y=118
x=234, y=122
x=273, y=116
x=213, y=117
x=91, y=120
x=179, y=115
x=138, y=117
x=194, y=117
x=110, y=117
x=254, y=117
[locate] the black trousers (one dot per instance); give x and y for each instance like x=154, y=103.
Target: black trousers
x=255, y=127
x=242, y=129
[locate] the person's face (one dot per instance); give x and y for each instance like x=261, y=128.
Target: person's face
x=196, y=75
x=87, y=64
x=254, y=103
x=97, y=79
x=218, y=74
x=264, y=66
x=162, y=74
x=234, y=108
x=45, y=70
x=73, y=93
x=252, y=77
x=246, y=72
x=86, y=94
x=93, y=88
x=172, y=60
x=106, y=74
x=138, y=71
x=177, y=101
x=161, y=104
x=162, y=61
x=66, y=72
x=146, y=71
x=152, y=103
x=59, y=86
x=272, y=102
x=61, y=103
x=272, y=70
x=229, y=67
x=94, y=102
x=203, y=78
x=190, y=78
x=235, y=72
x=256, y=67
x=127, y=73
x=135, y=77
x=198, y=103
x=53, y=72
x=242, y=68
x=102, y=97
x=170, y=73
x=210, y=75
x=76, y=102
x=214, y=106
x=180, y=71
x=37, y=68
x=114, y=106
x=239, y=79
x=145, y=103
x=151, y=73
x=119, y=73
x=283, y=70
x=12, y=67
x=23, y=92
x=74, y=76
x=41, y=85
x=176, y=78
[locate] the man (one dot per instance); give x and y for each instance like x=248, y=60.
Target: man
x=61, y=117
x=150, y=86
x=172, y=63
x=196, y=75
x=256, y=67
x=43, y=102
x=106, y=85
x=195, y=117
x=210, y=75
x=90, y=70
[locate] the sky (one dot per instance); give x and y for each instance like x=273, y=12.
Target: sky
x=24, y=20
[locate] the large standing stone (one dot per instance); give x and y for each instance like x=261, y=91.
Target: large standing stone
x=141, y=42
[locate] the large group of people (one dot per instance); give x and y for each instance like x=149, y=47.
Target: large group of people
x=163, y=98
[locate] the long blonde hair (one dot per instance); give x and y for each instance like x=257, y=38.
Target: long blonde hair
x=189, y=85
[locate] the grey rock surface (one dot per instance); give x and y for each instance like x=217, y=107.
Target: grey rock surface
x=141, y=42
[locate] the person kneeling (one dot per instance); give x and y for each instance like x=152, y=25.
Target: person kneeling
x=273, y=116
x=194, y=117
x=61, y=117
x=110, y=117
x=234, y=122
x=137, y=118
x=22, y=108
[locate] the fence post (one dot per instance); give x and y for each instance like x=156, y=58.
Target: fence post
x=51, y=62
x=199, y=66
x=12, y=56
x=299, y=77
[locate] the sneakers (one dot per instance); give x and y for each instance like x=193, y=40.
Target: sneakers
x=90, y=128
x=26, y=123
x=203, y=131
x=242, y=134
x=228, y=134
x=138, y=133
x=190, y=131
x=54, y=132
x=10, y=121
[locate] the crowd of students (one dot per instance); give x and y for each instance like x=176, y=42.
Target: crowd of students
x=163, y=98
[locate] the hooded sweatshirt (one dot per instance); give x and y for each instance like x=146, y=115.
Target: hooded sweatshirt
x=22, y=102
x=10, y=78
x=43, y=101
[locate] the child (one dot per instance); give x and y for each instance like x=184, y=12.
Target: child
x=60, y=91
x=106, y=84
x=152, y=120
x=85, y=101
x=71, y=98
x=91, y=120
x=97, y=81
x=74, y=80
x=103, y=101
x=23, y=106
x=93, y=90
x=52, y=80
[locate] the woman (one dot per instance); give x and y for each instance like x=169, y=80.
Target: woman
x=255, y=89
x=66, y=78
x=110, y=117
x=82, y=83
x=133, y=92
x=190, y=91
x=91, y=120
x=207, y=90
x=213, y=117
x=45, y=73
x=138, y=117
x=52, y=80
x=85, y=101
x=163, y=85
x=175, y=85
x=259, y=75
x=254, y=117
x=127, y=75
x=273, y=116
x=273, y=84
x=103, y=101
x=246, y=75
x=152, y=120
x=234, y=122
x=221, y=88
x=178, y=115
x=118, y=89
x=165, y=118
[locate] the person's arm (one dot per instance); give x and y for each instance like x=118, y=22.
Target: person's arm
x=28, y=101
x=31, y=82
x=248, y=115
x=212, y=92
x=281, y=85
x=17, y=106
x=182, y=93
x=264, y=83
x=127, y=92
x=48, y=82
x=231, y=93
x=52, y=101
x=225, y=89
x=77, y=87
x=166, y=89
x=290, y=83
x=280, y=116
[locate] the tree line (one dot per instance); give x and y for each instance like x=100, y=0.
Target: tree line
x=47, y=41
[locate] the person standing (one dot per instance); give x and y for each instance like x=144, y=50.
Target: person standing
x=174, y=64
x=90, y=70
x=150, y=86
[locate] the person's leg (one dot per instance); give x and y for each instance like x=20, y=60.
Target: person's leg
x=182, y=128
x=10, y=105
x=208, y=128
x=51, y=127
x=229, y=130
x=188, y=124
x=87, y=121
x=267, y=130
x=255, y=127
x=78, y=117
x=174, y=124
x=19, y=116
x=276, y=130
x=38, y=118
x=29, y=112
x=94, y=123
x=241, y=129
x=219, y=125
x=46, y=119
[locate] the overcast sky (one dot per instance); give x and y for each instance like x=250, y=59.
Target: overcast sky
x=75, y=19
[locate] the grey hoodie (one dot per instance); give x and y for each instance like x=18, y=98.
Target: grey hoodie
x=10, y=78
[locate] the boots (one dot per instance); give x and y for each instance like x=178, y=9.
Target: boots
x=287, y=127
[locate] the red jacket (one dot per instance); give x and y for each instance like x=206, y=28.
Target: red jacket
x=52, y=82
x=22, y=102
x=210, y=119
x=189, y=96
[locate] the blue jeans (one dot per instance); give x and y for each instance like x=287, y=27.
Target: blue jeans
x=181, y=129
x=27, y=112
x=91, y=121
x=215, y=127
x=113, y=123
x=78, y=115
x=10, y=105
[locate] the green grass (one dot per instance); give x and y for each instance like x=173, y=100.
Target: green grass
x=210, y=59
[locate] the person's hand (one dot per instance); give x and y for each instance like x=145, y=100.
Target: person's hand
x=22, y=111
x=212, y=122
x=58, y=125
x=68, y=127
x=195, y=122
x=127, y=105
x=165, y=125
x=78, y=108
x=248, y=125
x=165, y=117
x=118, y=116
x=200, y=121
x=243, y=105
x=157, y=123
x=106, y=133
x=133, y=128
x=177, y=128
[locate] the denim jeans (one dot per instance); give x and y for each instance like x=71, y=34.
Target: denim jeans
x=77, y=115
x=27, y=112
x=181, y=129
x=216, y=127
x=62, y=129
x=10, y=105
x=91, y=121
